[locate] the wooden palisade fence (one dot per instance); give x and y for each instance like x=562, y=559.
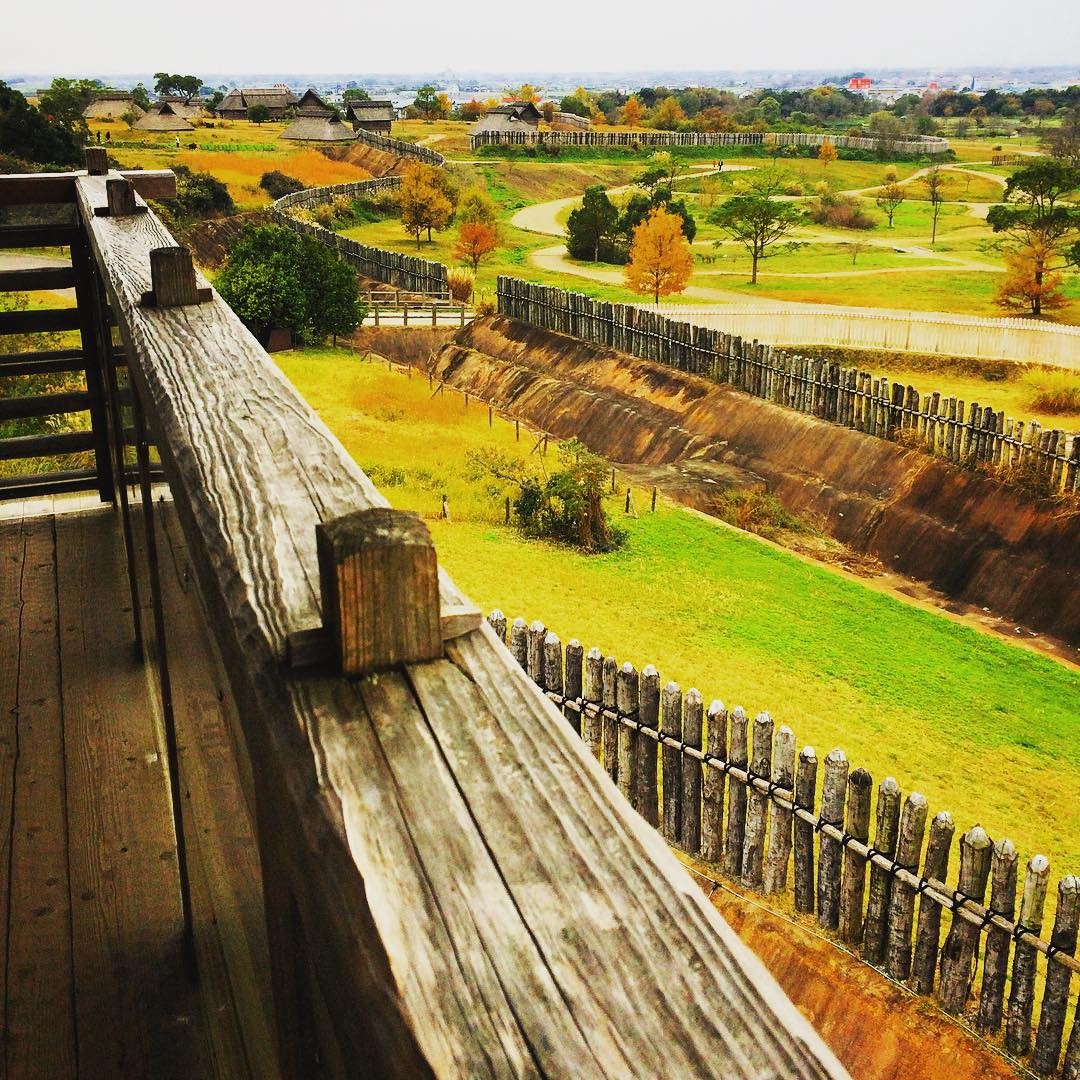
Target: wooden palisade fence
x=451, y=885
x=739, y=794
x=400, y=147
x=407, y=272
x=966, y=434
x=922, y=145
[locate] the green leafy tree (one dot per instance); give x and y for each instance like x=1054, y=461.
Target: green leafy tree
x=277, y=278
x=1063, y=141
x=278, y=184
x=756, y=218
x=215, y=99
x=594, y=226
x=199, y=195
x=1037, y=214
x=141, y=97
x=185, y=86
x=258, y=114
x=639, y=207
x=356, y=93
x=936, y=184
x=65, y=101
x=889, y=198
x=477, y=206
x=27, y=134
x=426, y=103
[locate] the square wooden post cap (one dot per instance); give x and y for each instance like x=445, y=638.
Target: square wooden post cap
x=380, y=589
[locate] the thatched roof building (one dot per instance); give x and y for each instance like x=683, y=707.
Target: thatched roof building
x=517, y=116
x=318, y=129
x=280, y=100
x=111, y=105
x=370, y=115
x=310, y=104
x=162, y=117
x=189, y=110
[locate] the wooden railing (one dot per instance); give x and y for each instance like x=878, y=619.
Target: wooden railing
x=452, y=884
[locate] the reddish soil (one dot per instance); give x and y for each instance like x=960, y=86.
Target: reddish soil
x=975, y=539
x=878, y=1030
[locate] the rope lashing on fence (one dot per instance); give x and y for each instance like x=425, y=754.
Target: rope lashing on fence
x=950, y=899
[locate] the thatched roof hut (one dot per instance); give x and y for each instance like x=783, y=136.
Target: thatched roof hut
x=517, y=116
x=310, y=104
x=162, y=117
x=370, y=115
x=111, y=105
x=189, y=110
x=280, y=100
x=317, y=129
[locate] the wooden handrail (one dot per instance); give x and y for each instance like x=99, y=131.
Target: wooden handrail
x=466, y=888
x=28, y=189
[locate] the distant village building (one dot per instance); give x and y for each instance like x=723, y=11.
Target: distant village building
x=517, y=116
x=162, y=117
x=371, y=115
x=189, y=110
x=860, y=84
x=316, y=122
x=111, y=105
x=280, y=100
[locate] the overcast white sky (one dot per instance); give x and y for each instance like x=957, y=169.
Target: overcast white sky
x=372, y=36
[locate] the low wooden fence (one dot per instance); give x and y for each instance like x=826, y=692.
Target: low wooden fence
x=400, y=147
x=572, y=120
x=921, y=145
x=732, y=792
x=1019, y=340
x=407, y=272
x=968, y=435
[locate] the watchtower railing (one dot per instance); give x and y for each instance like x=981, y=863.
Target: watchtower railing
x=452, y=884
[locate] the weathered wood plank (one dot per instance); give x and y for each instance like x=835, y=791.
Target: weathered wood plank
x=1044, y=1058
x=803, y=840
x=736, y=811
x=902, y=898
x=959, y=950
x=690, y=796
x=886, y=836
x=712, y=787
x=39, y=1033
x=776, y=863
x=996, y=955
x=130, y=1000
x=833, y=796
x=29, y=189
x=757, y=804
x=928, y=928
x=853, y=878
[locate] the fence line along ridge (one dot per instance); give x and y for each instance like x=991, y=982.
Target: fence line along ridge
x=967, y=435
x=760, y=830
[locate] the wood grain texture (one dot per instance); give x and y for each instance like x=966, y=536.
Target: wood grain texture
x=712, y=785
x=996, y=954
x=690, y=796
x=833, y=795
x=853, y=878
x=410, y=811
x=886, y=837
x=776, y=863
x=958, y=952
x=757, y=804
x=803, y=838
x=928, y=928
x=901, y=914
x=736, y=808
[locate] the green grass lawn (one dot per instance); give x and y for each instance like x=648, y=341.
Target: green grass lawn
x=985, y=729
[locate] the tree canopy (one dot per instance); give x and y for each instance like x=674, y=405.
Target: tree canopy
x=660, y=258
x=756, y=219
x=592, y=229
x=185, y=86
x=27, y=134
x=277, y=278
x=427, y=198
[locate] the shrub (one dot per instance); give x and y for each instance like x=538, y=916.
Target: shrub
x=461, y=284
x=199, y=195
x=278, y=184
x=1054, y=392
x=840, y=212
x=486, y=305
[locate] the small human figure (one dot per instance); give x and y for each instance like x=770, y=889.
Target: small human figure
x=108, y=136
x=177, y=142
x=720, y=168
x=98, y=136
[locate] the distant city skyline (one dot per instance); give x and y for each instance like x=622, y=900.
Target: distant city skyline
x=556, y=36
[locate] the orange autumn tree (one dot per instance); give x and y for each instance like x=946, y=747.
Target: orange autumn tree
x=475, y=240
x=631, y=114
x=660, y=258
x=826, y=154
x=423, y=200
x=1030, y=285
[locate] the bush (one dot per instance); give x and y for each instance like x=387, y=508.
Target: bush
x=461, y=284
x=199, y=195
x=1054, y=392
x=278, y=184
x=840, y=212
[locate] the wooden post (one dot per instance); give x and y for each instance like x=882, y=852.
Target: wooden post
x=626, y=702
x=627, y=508
x=712, y=786
x=572, y=709
x=491, y=417
x=1070, y=1069
x=97, y=161
x=380, y=589
x=690, y=804
x=444, y=510
x=497, y=622
x=805, y=794
x=1044, y=1058
x=902, y=898
x=757, y=804
x=654, y=500
x=776, y=863
x=535, y=662
x=519, y=642
x=928, y=928
x=592, y=725
x=736, y=816
x=517, y=430
x=643, y=793
x=121, y=197
x=611, y=725
x=1022, y=993
x=886, y=830
x=172, y=277
x=853, y=879
x=672, y=760
x=996, y=956
x=833, y=796
x=958, y=953
x=553, y=664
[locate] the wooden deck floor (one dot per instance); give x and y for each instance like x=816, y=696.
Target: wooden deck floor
x=91, y=980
